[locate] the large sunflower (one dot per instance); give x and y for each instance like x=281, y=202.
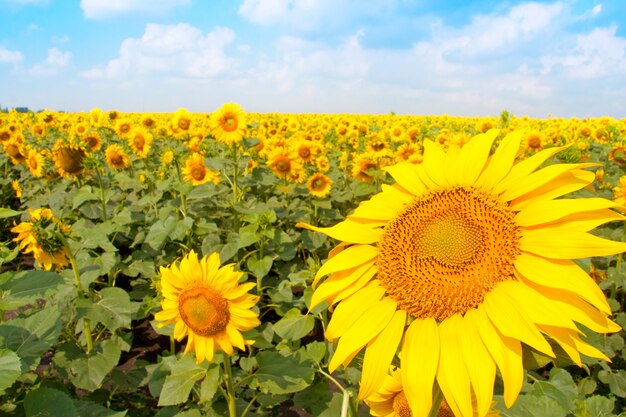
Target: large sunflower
x=228, y=123
x=207, y=304
x=461, y=261
x=68, y=159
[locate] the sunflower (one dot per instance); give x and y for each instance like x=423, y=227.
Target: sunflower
x=92, y=140
x=15, y=184
x=40, y=236
x=534, y=141
x=123, y=126
x=196, y=173
x=466, y=247
x=390, y=400
x=283, y=162
x=207, y=304
x=68, y=159
x=363, y=168
x=15, y=150
x=116, y=158
x=319, y=185
x=35, y=162
x=181, y=120
x=228, y=123
x=140, y=141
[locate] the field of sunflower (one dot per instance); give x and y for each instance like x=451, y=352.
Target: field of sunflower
x=239, y=264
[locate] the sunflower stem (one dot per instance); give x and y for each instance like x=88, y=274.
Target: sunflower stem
x=235, y=174
x=172, y=345
x=230, y=390
x=104, y=203
x=183, y=199
x=79, y=290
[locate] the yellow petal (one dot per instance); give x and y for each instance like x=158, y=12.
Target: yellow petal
x=480, y=366
x=406, y=175
x=525, y=167
x=347, y=231
x=451, y=164
x=549, y=211
x=383, y=206
x=501, y=162
x=561, y=274
x=506, y=352
x=339, y=281
x=564, y=338
x=365, y=328
x=537, y=179
x=565, y=183
x=433, y=163
x=452, y=374
x=419, y=360
x=474, y=155
x=356, y=286
x=504, y=312
x=351, y=309
x=586, y=221
x=567, y=244
x=347, y=259
x=379, y=354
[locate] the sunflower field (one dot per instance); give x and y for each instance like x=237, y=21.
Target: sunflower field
x=292, y=265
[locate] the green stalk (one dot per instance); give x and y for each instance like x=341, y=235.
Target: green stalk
x=183, y=199
x=79, y=290
x=235, y=174
x=437, y=398
x=345, y=404
x=104, y=203
x=230, y=390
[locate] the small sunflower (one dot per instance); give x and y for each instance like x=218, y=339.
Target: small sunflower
x=116, y=157
x=181, y=121
x=15, y=184
x=140, y=141
x=283, y=162
x=464, y=260
x=319, y=185
x=14, y=148
x=363, y=168
x=92, y=140
x=68, y=159
x=228, y=124
x=207, y=305
x=196, y=173
x=40, y=237
x=35, y=162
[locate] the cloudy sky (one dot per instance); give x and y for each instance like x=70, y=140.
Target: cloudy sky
x=469, y=58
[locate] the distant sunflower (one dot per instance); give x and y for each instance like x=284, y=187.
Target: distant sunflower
x=463, y=260
x=196, y=173
x=40, y=237
x=92, y=141
x=68, y=159
x=140, y=141
x=319, y=185
x=116, y=157
x=35, y=162
x=228, y=124
x=181, y=120
x=123, y=126
x=207, y=305
x=15, y=150
x=363, y=168
x=15, y=184
x=283, y=162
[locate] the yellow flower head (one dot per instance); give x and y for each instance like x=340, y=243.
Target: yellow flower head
x=228, y=124
x=319, y=185
x=466, y=258
x=116, y=157
x=196, y=173
x=207, y=305
x=35, y=162
x=68, y=159
x=140, y=141
x=40, y=237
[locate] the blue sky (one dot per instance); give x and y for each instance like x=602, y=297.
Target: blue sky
x=468, y=58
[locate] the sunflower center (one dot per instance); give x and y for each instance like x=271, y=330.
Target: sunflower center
x=401, y=405
x=203, y=310
x=445, y=251
x=230, y=123
x=198, y=173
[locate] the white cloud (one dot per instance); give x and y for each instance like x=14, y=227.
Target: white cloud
x=597, y=54
x=301, y=14
x=55, y=61
x=173, y=50
x=102, y=9
x=10, y=57
x=597, y=9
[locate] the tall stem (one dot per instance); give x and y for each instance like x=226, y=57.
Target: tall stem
x=235, y=174
x=437, y=398
x=79, y=289
x=104, y=203
x=230, y=391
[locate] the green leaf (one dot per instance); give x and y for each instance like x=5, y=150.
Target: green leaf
x=534, y=406
x=25, y=287
x=278, y=374
x=88, y=408
x=179, y=383
x=259, y=267
x=48, y=402
x=159, y=232
x=209, y=384
x=616, y=381
x=6, y=212
x=10, y=368
x=83, y=194
x=89, y=372
x=560, y=388
x=294, y=325
x=112, y=309
x=595, y=406
x=30, y=337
